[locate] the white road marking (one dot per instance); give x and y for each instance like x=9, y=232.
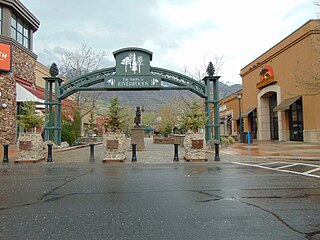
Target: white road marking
x=281, y=169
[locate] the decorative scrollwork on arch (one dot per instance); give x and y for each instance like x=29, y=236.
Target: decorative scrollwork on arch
x=179, y=80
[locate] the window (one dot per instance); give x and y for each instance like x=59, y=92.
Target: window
x=20, y=31
x=0, y=20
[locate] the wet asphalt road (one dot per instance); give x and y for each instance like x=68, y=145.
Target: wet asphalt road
x=213, y=200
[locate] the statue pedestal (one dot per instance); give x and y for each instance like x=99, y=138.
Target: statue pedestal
x=137, y=137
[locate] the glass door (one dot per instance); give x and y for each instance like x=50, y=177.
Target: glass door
x=296, y=121
x=274, y=133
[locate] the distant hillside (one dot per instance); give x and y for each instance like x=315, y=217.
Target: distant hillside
x=154, y=99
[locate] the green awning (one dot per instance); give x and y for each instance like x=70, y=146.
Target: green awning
x=285, y=105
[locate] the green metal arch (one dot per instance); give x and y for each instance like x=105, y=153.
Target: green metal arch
x=92, y=78
x=83, y=83
x=182, y=82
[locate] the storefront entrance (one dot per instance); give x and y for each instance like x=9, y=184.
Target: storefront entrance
x=296, y=121
x=274, y=133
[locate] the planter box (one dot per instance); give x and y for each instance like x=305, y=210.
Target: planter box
x=30, y=148
x=195, y=145
x=114, y=147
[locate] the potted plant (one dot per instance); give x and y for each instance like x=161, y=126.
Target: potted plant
x=30, y=143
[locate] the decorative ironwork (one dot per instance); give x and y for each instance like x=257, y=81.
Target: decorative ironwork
x=181, y=81
x=86, y=81
x=172, y=81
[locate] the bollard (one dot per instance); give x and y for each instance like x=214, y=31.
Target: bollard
x=176, y=152
x=248, y=138
x=49, y=158
x=134, y=152
x=5, y=153
x=216, y=148
x=91, y=152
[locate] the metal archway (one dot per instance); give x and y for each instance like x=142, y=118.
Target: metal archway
x=113, y=79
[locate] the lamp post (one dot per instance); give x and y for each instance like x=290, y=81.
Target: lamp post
x=239, y=96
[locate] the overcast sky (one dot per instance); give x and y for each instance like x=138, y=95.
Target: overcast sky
x=180, y=33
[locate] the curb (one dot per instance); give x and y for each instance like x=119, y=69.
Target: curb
x=74, y=147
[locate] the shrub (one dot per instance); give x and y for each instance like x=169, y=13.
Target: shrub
x=231, y=140
x=67, y=132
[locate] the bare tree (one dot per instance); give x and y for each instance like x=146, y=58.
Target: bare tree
x=308, y=74
x=198, y=73
x=77, y=63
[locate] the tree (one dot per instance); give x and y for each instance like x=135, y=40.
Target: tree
x=199, y=72
x=116, y=115
x=308, y=75
x=194, y=118
x=169, y=118
x=71, y=128
x=77, y=63
x=29, y=119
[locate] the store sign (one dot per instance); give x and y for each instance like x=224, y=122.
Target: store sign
x=5, y=57
x=133, y=70
x=266, y=77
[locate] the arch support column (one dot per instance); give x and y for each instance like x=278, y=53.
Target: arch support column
x=52, y=130
x=212, y=97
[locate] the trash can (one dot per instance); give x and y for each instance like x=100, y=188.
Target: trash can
x=247, y=137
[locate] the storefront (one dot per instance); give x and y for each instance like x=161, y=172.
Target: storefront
x=281, y=88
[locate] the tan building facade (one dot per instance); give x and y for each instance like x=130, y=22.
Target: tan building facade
x=229, y=112
x=281, y=88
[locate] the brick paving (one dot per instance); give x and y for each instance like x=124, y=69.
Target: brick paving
x=164, y=153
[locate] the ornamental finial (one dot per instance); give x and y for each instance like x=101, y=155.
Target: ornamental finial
x=210, y=69
x=54, y=71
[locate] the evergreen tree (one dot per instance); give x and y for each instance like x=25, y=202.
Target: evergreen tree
x=115, y=115
x=194, y=118
x=29, y=119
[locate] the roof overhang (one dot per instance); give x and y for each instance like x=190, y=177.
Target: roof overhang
x=24, y=95
x=285, y=105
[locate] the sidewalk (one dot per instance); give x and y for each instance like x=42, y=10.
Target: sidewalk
x=275, y=150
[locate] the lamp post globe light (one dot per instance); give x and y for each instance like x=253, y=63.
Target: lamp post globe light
x=239, y=96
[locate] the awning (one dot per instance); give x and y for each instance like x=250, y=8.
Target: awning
x=244, y=114
x=247, y=112
x=285, y=105
x=24, y=95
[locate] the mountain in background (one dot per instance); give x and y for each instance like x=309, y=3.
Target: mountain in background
x=154, y=99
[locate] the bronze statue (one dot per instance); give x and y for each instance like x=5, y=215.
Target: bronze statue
x=137, y=119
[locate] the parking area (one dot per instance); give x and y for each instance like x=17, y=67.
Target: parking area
x=305, y=169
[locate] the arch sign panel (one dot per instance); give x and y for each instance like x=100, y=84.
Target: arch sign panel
x=133, y=70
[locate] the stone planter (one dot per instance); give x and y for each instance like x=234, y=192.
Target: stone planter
x=195, y=145
x=114, y=147
x=30, y=148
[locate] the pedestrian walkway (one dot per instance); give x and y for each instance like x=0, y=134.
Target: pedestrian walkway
x=164, y=153
x=275, y=150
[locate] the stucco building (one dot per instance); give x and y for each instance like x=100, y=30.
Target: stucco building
x=281, y=88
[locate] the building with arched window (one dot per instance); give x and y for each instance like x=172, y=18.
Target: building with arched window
x=282, y=88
